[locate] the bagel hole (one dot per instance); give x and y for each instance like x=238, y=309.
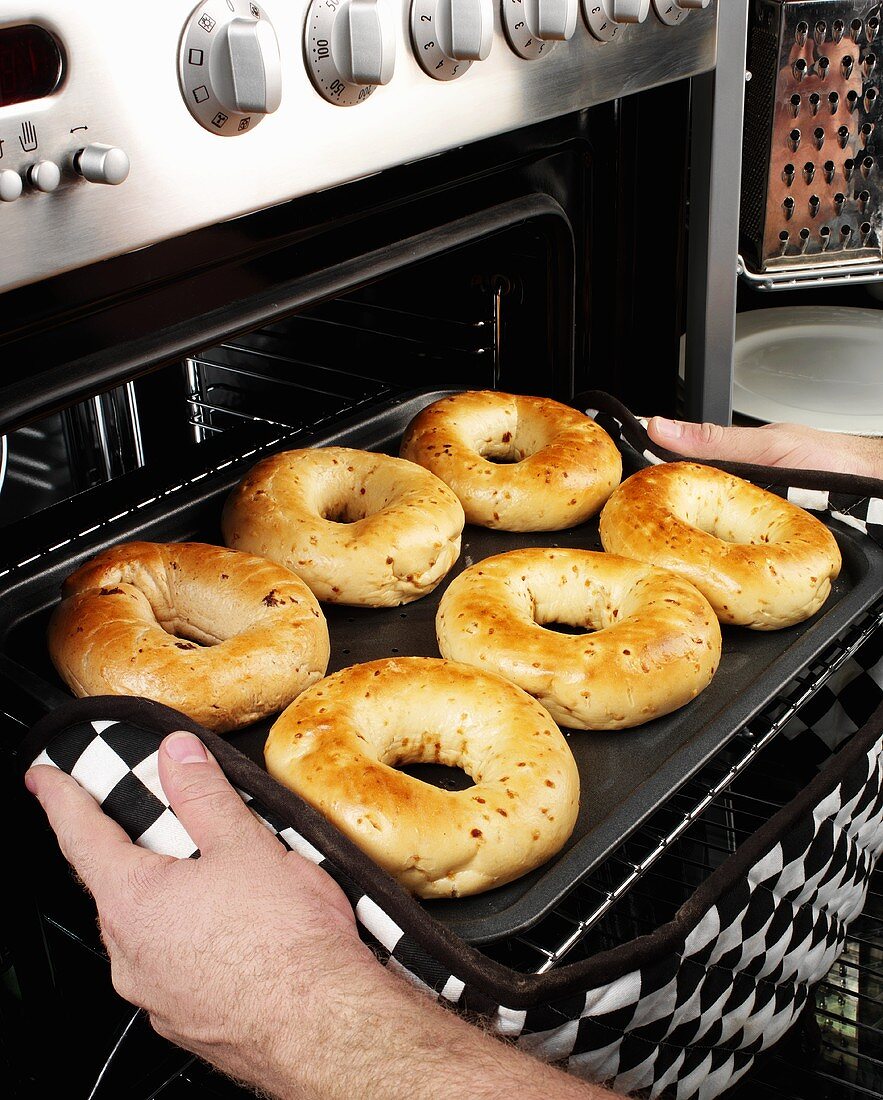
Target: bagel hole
x=567, y=628
x=509, y=459
x=438, y=775
x=343, y=512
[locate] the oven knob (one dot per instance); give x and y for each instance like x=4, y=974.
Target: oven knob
x=44, y=176
x=10, y=185
x=534, y=26
x=448, y=35
x=102, y=164
x=229, y=66
x=350, y=48
x=606, y=18
x=674, y=12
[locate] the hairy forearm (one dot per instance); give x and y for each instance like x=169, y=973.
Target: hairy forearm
x=382, y=1040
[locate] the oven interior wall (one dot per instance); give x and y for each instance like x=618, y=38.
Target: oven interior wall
x=583, y=288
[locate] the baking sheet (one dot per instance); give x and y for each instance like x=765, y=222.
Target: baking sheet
x=625, y=775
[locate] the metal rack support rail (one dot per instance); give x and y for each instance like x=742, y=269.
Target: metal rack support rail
x=857, y=637
x=718, y=100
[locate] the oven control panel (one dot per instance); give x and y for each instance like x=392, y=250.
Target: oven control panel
x=116, y=121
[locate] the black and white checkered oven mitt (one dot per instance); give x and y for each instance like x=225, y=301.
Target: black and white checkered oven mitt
x=854, y=501
x=117, y=761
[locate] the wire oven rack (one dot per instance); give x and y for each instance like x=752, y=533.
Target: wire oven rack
x=291, y=373
x=656, y=869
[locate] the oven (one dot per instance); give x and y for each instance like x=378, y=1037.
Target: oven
x=232, y=227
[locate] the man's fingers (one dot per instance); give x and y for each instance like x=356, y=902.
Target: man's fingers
x=206, y=805
x=92, y=843
x=713, y=441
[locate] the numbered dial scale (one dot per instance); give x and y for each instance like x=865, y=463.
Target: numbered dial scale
x=607, y=19
x=349, y=47
x=448, y=35
x=229, y=66
x=534, y=26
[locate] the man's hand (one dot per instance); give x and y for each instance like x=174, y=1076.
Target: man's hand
x=249, y=957
x=219, y=950
x=792, y=445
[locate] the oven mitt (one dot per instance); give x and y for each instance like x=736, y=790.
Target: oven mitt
x=685, y=1009
x=855, y=501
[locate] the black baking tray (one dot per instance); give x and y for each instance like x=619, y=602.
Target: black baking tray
x=625, y=775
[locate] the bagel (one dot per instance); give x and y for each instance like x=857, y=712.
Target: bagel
x=357, y=527
x=225, y=637
x=338, y=744
x=656, y=643
x=516, y=463
x=761, y=561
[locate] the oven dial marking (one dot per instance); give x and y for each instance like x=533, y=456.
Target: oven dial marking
x=607, y=19
x=349, y=46
x=448, y=35
x=229, y=66
x=534, y=26
x=674, y=12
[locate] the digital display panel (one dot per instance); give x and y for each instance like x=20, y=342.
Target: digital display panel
x=30, y=64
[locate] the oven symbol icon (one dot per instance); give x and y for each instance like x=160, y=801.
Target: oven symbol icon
x=28, y=139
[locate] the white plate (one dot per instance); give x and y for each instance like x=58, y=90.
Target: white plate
x=820, y=366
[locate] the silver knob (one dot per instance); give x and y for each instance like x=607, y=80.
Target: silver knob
x=245, y=67
x=44, y=176
x=533, y=26
x=350, y=48
x=448, y=35
x=630, y=11
x=363, y=42
x=606, y=18
x=555, y=19
x=674, y=12
x=102, y=164
x=465, y=28
x=229, y=66
x=10, y=185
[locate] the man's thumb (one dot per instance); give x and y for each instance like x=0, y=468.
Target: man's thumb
x=704, y=440
x=206, y=805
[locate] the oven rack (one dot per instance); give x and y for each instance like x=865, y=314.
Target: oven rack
x=285, y=374
x=284, y=436
x=658, y=866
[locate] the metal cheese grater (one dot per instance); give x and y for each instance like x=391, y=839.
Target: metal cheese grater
x=812, y=176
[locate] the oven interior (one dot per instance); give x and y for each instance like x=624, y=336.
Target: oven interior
x=499, y=311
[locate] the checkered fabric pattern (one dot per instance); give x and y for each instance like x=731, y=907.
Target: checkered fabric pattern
x=687, y=1025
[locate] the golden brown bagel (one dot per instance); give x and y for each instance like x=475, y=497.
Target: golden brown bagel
x=761, y=561
x=357, y=527
x=656, y=644
x=555, y=467
x=338, y=744
x=225, y=637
